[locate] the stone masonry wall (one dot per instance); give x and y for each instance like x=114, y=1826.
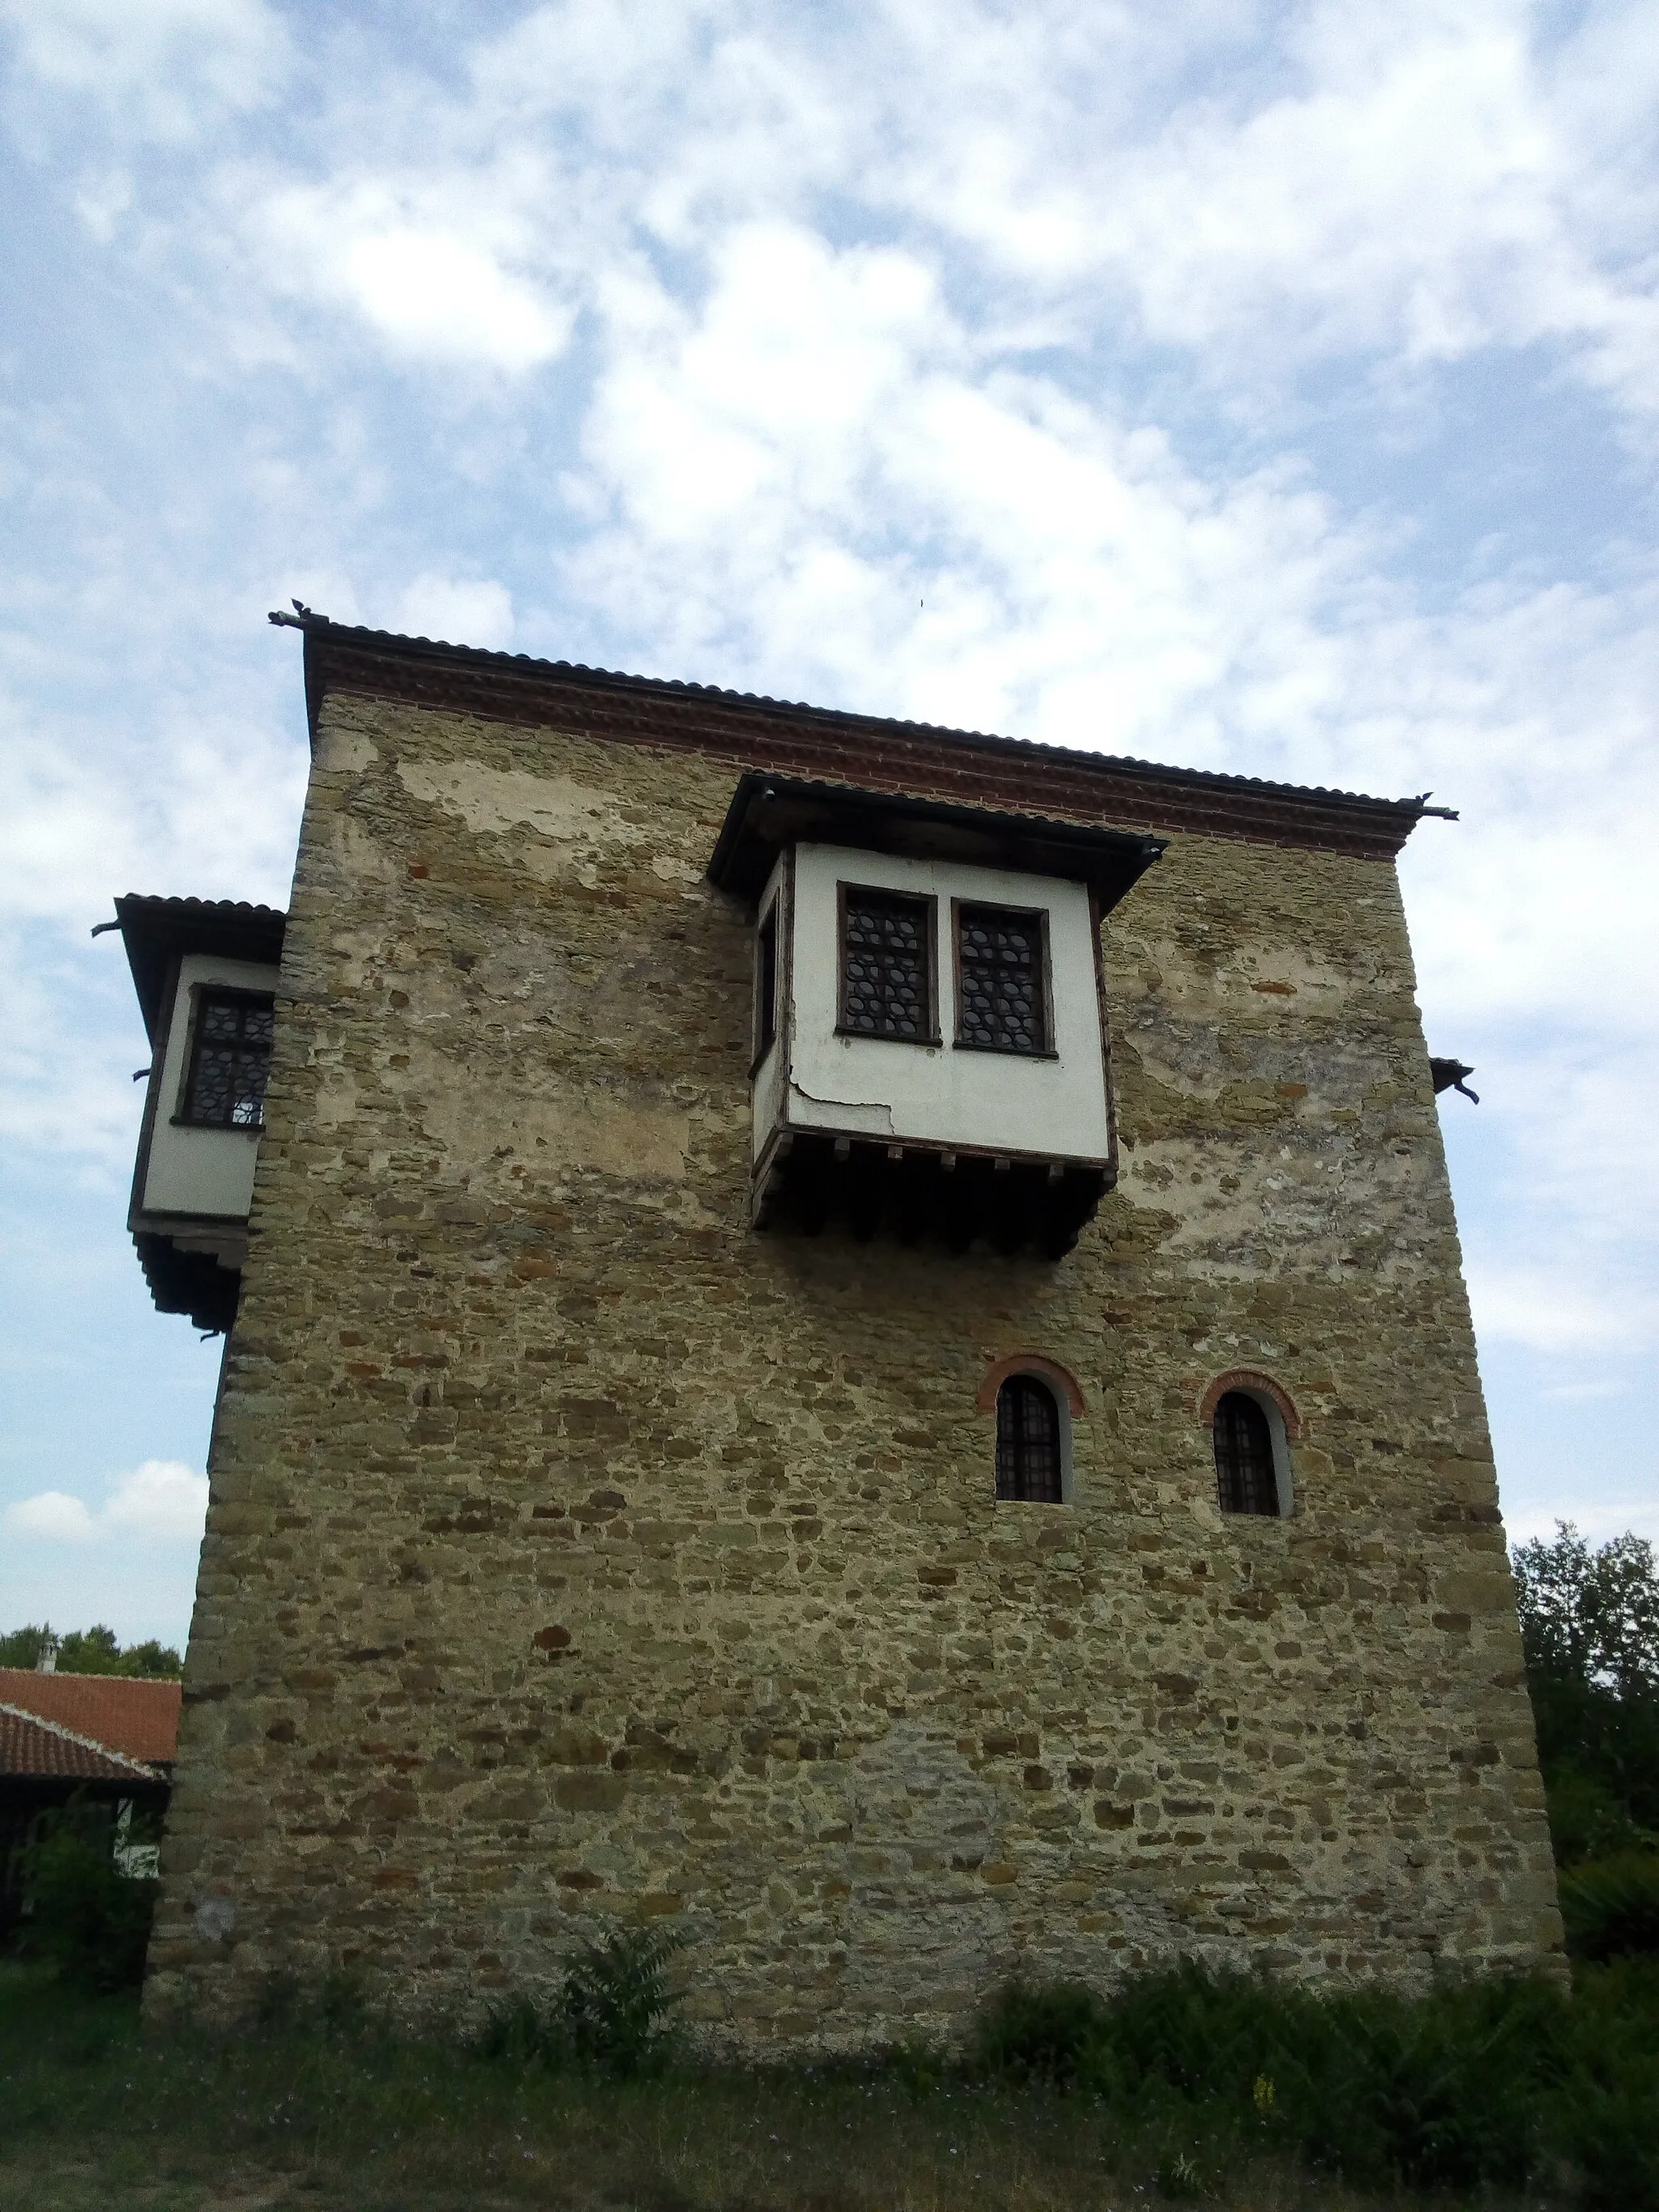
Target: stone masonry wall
x=575, y=1554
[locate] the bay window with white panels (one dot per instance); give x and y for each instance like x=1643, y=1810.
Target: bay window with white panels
x=930, y=1047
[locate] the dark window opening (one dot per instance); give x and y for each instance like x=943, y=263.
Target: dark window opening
x=886, y=966
x=766, y=984
x=1027, y=1442
x=1004, y=997
x=230, y=1061
x=1246, y=1481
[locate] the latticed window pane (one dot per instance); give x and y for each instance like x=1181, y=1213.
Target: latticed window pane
x=1027, y=1442
x=885, y=967
x=1002, y=988
x=231, y=1064
x=1245, y=1480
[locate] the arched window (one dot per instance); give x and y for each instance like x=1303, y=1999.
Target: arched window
x=1246, y=1479
x=1029, y=1443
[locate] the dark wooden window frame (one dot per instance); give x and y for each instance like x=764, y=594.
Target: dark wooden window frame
x=768, y=975
x=1015, y=1473
x=1040, y=915
x=928, y=905
x=200, y=995
x=1246, y=1482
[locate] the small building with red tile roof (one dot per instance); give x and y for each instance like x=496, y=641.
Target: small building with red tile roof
x=33, y=1750
x=134, y=1718
x=86, y=1737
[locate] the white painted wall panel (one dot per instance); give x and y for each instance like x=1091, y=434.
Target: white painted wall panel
x=191, y=1170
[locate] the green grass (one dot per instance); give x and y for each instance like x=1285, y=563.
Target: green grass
x=1159, y=2101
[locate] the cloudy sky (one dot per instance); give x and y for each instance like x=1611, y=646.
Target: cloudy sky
x=1271, y=388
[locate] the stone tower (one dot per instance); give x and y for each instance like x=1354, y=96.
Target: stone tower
x=850, y=1333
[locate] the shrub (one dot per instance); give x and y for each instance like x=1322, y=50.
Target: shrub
x=1437, y=2092
x=608, y=2016
x=1611, y=1907
x=1442, y=2091
x=1049, y=2038
x=1586, y=1820
x=614, y=1997
x=88, y=1918
x=520, y=2032
x=1604, y=2116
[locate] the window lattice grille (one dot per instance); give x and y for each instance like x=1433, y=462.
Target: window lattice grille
x=885, y=967
x=1002, y=993
x=231, y=1064
x=1027, y=1442
x=1245, y=1480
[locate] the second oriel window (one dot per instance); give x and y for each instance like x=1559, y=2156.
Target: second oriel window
x=1004, y=992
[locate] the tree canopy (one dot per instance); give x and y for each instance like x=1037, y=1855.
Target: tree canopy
x=92, y=1651
x=1590, y=1627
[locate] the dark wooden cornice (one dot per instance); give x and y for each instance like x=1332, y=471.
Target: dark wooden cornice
x=1009, y=774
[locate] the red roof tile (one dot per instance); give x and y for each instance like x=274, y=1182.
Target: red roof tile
x=134, y=1719
x=34, y=1748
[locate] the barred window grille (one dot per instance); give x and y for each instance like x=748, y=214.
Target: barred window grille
x=230, y=1065
x=886, y=967
x=1245, y=1479
x=1027, y=1442
x=1003, y=997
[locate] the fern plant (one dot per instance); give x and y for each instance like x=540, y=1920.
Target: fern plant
x=616, y=1997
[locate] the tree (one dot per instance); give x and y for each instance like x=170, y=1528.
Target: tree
x=1589, y=1628
x=1592, y=1615
x=92, y=1651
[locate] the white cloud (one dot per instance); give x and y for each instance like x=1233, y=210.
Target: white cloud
x=161, y=1502
x=1544, y=1310
x=159, y=67
x=471, y=613
x=1574, y=1394
x=437, y=268
x=53, y=1514
x=1413, y=185
x=1597, y=1521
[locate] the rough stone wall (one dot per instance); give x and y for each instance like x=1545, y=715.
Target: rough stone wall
x=575, y=1554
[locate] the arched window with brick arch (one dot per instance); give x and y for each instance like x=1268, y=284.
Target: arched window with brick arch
x=1034, y=1399
x=1244, y=1475
x=1251, y=1422
x=1027, y=1442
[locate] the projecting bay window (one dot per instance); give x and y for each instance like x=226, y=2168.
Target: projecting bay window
x=881, y=921
x=888, y=987
x=229, y=1061
x=1003, y=999
x=766, y=985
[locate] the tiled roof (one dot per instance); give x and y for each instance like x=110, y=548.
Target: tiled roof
x=133, y=1719
x=43, y=1752
x=920, y=759
x=674, y=688
x=159, y=903
x=157, y=930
